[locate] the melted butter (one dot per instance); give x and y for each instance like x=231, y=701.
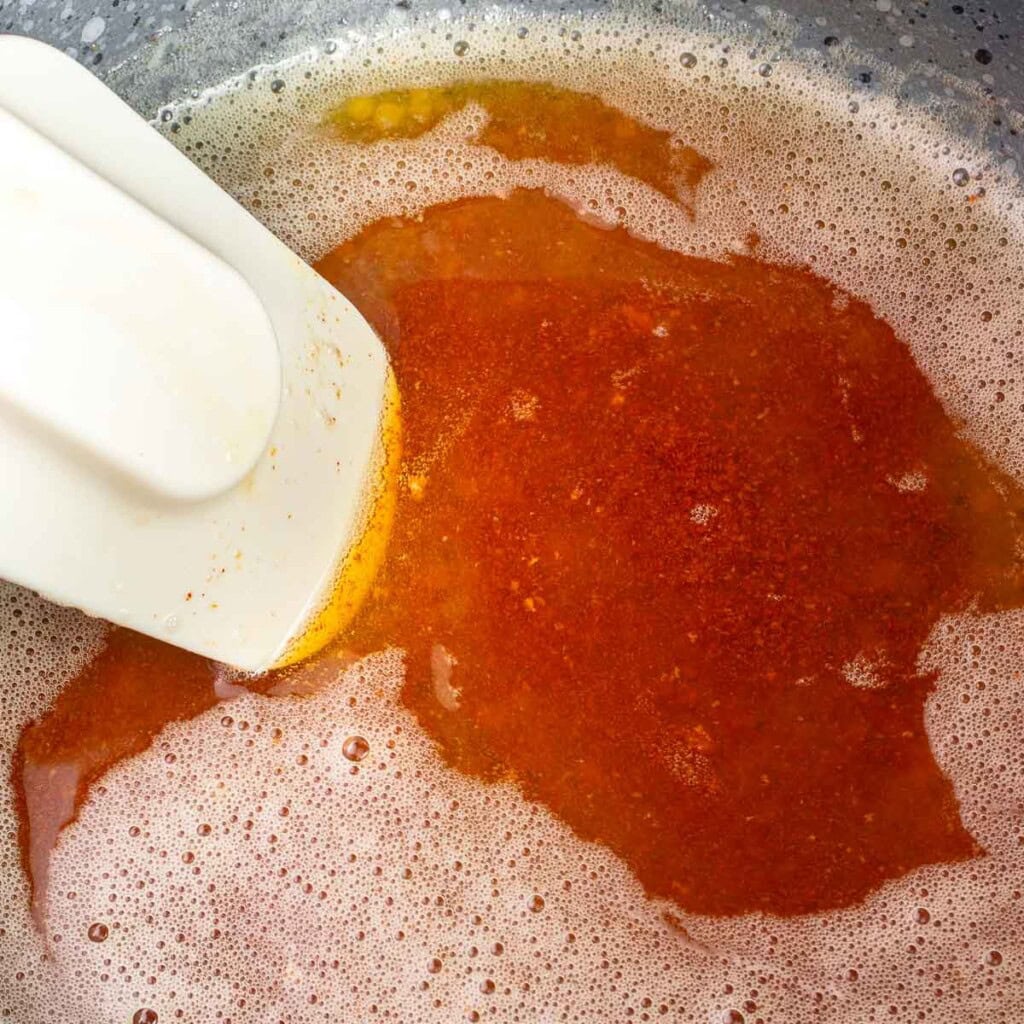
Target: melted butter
x=671, y=536
x=668, y=536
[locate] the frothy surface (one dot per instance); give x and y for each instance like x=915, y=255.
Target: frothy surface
x=872, y=199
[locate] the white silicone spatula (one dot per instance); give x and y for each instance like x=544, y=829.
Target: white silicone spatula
x=196, y=431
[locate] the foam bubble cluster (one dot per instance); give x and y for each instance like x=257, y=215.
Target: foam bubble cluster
x=249, y=868
x=43, y=645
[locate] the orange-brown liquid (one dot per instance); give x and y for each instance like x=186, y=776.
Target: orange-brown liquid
x=531, y=120
x=670, y=536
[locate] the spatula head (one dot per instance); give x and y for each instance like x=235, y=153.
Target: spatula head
x=198, y=435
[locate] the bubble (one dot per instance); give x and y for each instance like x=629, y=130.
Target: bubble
x=536, y=904
x=688, y=60
x=98, y=932
x=994, y=958
x=461, y=48
x=434, y=966
x=983, y=56
x=355, y=748
x=145, y=1016
x=93, y=29
x=277, y=84
x=765, y=70
x=961, y=176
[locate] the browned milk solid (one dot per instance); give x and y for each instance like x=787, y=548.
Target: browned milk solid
x=245, y=871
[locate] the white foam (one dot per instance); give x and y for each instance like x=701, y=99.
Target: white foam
x=371, y=877
x=42, y=646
